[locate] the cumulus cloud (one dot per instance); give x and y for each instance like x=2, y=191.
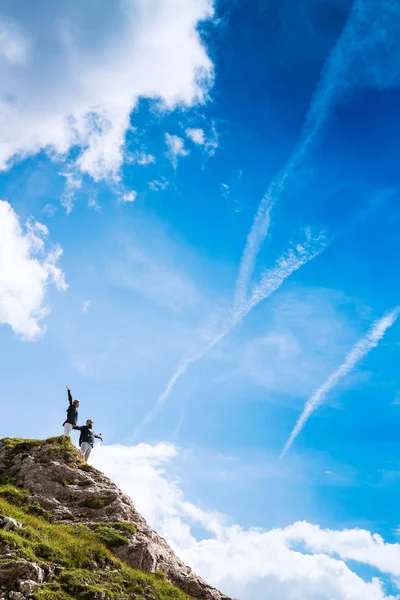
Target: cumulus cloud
x=71, y=76
x=299, y=561
x=27, y=267
x=176, y=148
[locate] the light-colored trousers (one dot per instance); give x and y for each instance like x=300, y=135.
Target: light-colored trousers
x=68, y=428
x=86, y=450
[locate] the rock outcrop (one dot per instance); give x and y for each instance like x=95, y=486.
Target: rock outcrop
x=47, y=482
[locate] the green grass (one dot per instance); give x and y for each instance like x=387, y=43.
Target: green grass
x=55, y=448
x=84, y=551
x=95, y=502
x=107, y=533
x=6, y=479
x=20, y=446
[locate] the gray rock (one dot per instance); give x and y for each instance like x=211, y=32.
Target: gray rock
x=27, y=587
x=8, y=524
x=14, y=570
x=16, y=596
x=139, y=555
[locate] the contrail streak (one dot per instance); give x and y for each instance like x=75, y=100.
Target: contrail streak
x=362, y=347
x=331, y=83
x=329, y=86
x=270, y=281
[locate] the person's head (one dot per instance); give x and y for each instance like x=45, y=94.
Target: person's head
x=76, y=403
x=89, y=423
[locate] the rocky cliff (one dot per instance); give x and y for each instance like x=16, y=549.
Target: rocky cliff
x=67, y=532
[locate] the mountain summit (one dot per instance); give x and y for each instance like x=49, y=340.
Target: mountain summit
x=66, y=531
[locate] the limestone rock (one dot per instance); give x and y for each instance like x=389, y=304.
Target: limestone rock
x=14, y=570
x=27, y=587
x=15, y=595
x=8, y=524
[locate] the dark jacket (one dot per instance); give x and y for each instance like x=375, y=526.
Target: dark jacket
x=87, y=435
x=72, y=412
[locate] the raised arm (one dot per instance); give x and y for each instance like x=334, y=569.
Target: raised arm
x=78, y=427
x=69, y=395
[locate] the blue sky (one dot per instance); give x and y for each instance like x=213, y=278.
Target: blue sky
x=137, y=148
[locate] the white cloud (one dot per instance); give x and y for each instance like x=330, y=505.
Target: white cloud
x=26, y=268
x=270, y=280
x=355, y=61
x=143, y=158
x=225, y=189
x=13, y=44
x=129, y=196
x=198, y=137
x=158, y=184
x=73, y=183
x=297, y=562
x=49, y=210
x=176, y=148
x=72, y=75
x=303, y=337
x=86, y=305
x=94, y=203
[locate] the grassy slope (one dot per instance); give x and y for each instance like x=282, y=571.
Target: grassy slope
x=82, y=552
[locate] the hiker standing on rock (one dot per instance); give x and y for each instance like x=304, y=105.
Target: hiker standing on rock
x=86, y=439
x=72, y=414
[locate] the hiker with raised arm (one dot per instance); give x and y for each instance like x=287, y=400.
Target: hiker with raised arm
x=72, y=414
x=87, y=437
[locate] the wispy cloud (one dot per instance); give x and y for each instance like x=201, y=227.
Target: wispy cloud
x=176, y=148
x=129, y=196
x=94, y=203
x=158, y=184
x=270, y=281
x=73, y=184
x=331, y=82
x=86, y=305
x=49, y=210
x=198, y=136
x=361, y=349
x=334, y=80
x=225, y=189
x=142, y=158
x=272, y=278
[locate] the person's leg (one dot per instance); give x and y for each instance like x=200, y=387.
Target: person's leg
x=86, y=450
x=68, y=428
x=83, y=449
x=87, y=453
